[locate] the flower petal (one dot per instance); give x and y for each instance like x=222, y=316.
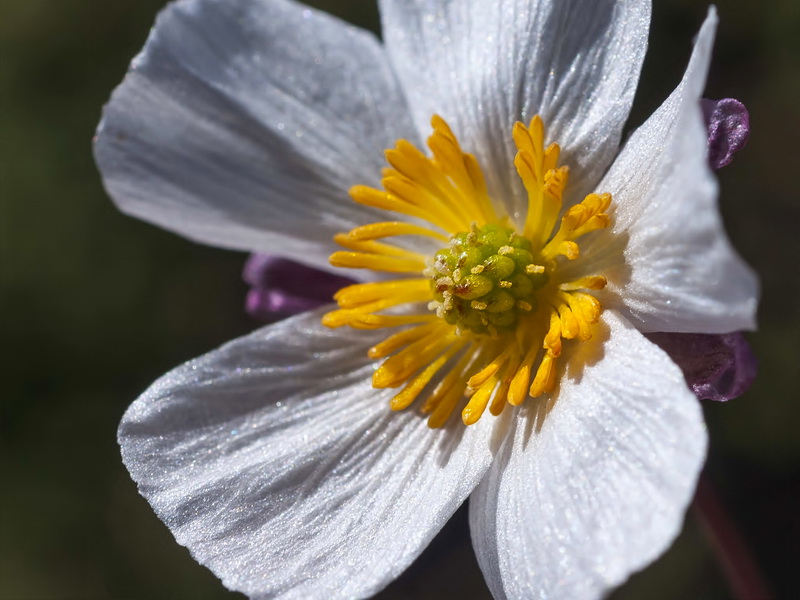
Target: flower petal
x=596, y=491
x=680, y=272
x=484, y=65
x=242, y=123
x=279, y=466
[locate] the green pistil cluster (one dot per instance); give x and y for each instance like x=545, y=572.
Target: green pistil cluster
x=485, y=278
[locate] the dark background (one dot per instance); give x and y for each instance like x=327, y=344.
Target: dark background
x=96, y=305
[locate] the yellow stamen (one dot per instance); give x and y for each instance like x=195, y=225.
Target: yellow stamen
x=478, y=402
x=542, y=180
x=404, y=399
x=398, y=367
x=445, y=407
x=400, y=339
x=518, y=389
x=545, y=379
x=463, y=171
x=489, y=370
x=551, y=155
x=579, y=220
x=380, y=321
x=375, y=231
x=454, y=380
x=362, y=293
x=552, y=340
x=498, y=308
x=479, y=185
x=567, y=248
x=376, y=262
x=431, y=199
x=586, y=309
x=569, y=324
x=374, y=247
x=379, y=199
x=345, y=316
x=593, y=282
x=501, y=396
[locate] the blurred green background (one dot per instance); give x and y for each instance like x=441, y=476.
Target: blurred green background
x=96, y=305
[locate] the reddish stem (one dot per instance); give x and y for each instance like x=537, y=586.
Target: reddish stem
x=737, y=562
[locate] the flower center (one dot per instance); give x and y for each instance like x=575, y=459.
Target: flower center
x=482, y=318
x=484, y=279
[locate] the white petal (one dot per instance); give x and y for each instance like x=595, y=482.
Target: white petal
x=680, y=272
x=282, y=470
x=243, y=124
x=576, y=503
x=484, y=65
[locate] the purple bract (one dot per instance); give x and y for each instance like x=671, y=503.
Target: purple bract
x=281, y=287
x=728, y=128
x=716, y=367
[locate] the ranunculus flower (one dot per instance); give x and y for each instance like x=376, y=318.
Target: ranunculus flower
x=526, y=258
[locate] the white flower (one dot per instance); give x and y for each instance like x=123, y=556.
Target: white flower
x=244, y=123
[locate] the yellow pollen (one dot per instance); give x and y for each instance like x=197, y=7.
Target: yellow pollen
x=482, y=322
